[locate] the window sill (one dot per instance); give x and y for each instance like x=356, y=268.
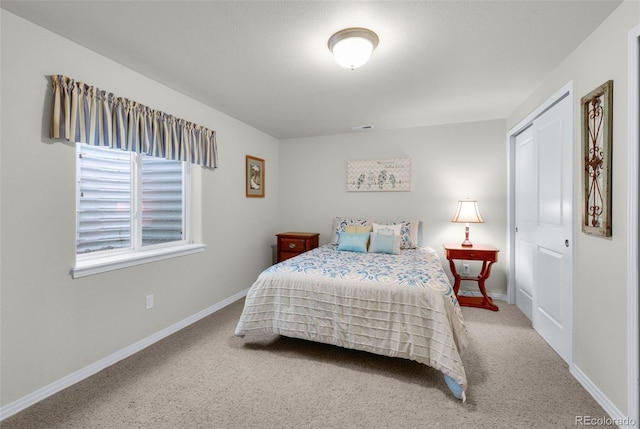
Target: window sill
x=101, y=265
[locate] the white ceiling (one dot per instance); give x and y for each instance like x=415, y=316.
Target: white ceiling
x=267, y=64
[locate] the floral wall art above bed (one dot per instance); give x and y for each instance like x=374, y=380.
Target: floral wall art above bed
x=379, y=175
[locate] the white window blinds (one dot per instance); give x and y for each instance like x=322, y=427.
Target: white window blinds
x=127, y=200
x=162, y=201
x=103, y=199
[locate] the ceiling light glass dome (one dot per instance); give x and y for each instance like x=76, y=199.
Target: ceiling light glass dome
x=352, y=47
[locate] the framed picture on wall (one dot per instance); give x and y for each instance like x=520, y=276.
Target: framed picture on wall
x=597, y=116
x=379, y=175
x=255, y=177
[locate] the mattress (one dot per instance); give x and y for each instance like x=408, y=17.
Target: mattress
x=393, y=305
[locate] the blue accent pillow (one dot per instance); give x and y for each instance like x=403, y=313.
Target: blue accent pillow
x=353, y=242
x=456, y=388
x=385, y=243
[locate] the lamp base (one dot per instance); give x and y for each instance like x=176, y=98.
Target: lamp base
x=466, y=242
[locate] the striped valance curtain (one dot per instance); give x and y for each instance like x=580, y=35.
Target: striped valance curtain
x=85, y=114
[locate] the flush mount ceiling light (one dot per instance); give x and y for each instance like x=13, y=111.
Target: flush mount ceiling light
x=352, y=47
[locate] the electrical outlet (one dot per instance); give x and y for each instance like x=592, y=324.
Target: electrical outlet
x=149, y=301
x=465, y=269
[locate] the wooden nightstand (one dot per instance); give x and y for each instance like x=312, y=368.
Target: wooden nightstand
x=478, y=252
x=291, y=244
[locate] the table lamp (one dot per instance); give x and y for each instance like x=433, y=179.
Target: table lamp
x=467, y=212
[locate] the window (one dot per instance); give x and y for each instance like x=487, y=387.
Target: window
x=131, y=208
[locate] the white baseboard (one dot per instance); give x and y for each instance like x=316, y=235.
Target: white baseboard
x=75, y=377
x=617, y=418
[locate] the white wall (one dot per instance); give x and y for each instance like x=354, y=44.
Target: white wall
x=51, y=325
x=600, y=281
x=449, y=162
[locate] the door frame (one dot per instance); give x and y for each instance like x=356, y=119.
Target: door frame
x=565, y=91
x=633, y=219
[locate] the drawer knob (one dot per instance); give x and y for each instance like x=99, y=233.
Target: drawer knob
x=292, y=246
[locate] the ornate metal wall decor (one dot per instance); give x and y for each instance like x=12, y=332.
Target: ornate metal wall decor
x=597, y=114
x=379, y=175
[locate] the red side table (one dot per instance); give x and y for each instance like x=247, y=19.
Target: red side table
x=478, y=252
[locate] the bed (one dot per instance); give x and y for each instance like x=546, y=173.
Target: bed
x=391, y=299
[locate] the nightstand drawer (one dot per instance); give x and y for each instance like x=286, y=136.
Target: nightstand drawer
x=286, y=255
x=476, y=253
x=293, y=245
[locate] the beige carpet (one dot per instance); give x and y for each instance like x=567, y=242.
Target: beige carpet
x=204, y=377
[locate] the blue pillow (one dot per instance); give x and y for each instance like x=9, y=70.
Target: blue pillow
x=385, y=243
x=353, y=242
x=456, y=388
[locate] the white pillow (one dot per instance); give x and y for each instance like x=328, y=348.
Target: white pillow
x=391, y=229
x=411, y=228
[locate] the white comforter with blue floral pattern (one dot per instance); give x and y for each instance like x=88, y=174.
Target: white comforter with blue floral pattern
x=393, y=305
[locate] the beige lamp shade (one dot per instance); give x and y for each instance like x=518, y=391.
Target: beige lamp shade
x=467, y=213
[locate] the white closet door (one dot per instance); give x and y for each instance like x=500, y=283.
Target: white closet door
x=526, y=168
x=544, y=277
